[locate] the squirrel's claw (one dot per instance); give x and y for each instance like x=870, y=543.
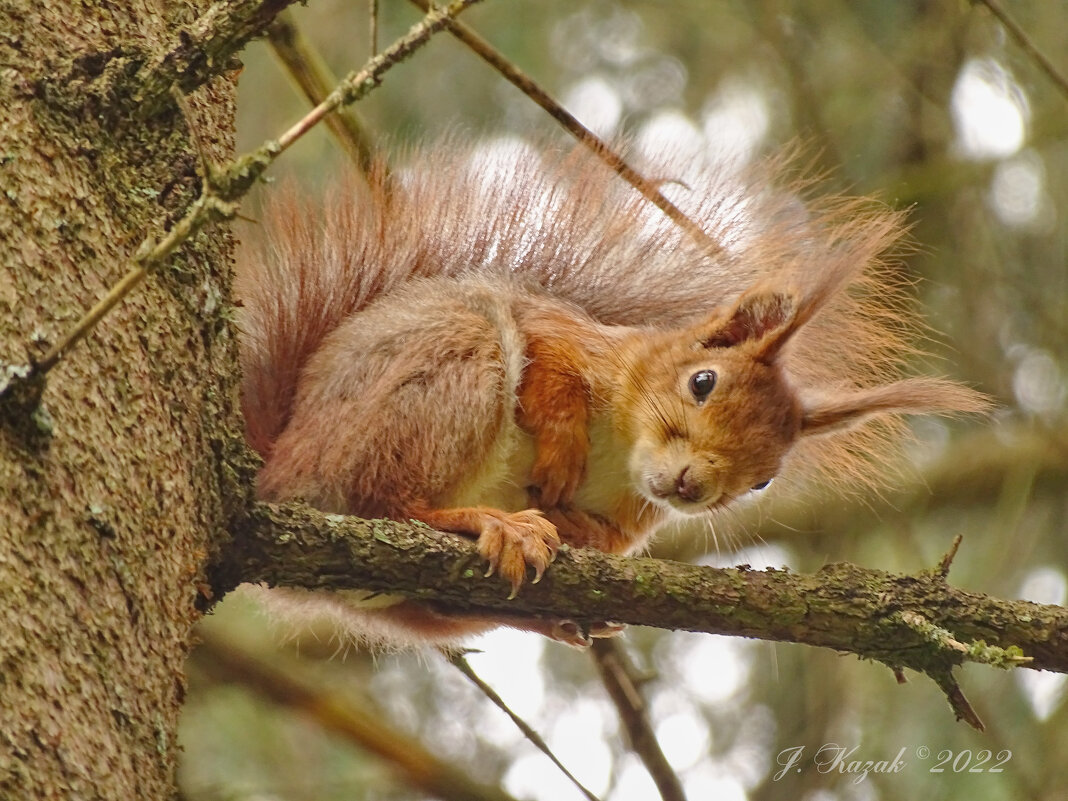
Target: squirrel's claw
x=512, y=541
x=604, y=629
x=570, y=633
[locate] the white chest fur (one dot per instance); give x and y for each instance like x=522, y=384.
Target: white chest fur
x=502, y=478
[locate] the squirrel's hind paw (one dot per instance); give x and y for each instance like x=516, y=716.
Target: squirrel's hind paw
x=512, y=541
x=604, y=629
x=576, y=635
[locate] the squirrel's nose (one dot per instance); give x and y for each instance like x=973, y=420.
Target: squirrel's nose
x=687, y=487
x=682, y=489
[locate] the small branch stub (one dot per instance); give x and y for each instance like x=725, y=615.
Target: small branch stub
x=962, y=708
x=951, y=554
x=950, y=651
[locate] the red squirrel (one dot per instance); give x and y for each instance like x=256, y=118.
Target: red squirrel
x=520, y=349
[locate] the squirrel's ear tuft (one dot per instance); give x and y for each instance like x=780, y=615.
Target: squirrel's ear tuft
x=757, y=317
x=838, y=412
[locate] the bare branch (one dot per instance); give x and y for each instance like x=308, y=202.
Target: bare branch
x=978, y=652
x=598, y=146
x=962, y=708
x=950, y=555
x=618, y=676
x=311, y=73
x=842, y=607
x=413, y=764
x=373, y=25
x=460, y=663
x=1025, y=43
x=224, y=187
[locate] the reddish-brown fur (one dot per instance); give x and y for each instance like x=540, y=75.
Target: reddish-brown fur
x=508, y=351
x=554, y=405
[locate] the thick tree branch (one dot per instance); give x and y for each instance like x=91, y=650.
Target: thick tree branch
x=128, y=80
x=867, y=612
x=202, y=50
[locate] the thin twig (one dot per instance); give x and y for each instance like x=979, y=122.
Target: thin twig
x=1028, y=46
x=357, y=84
x=373, y=33
x=150, y=254
x=310, y=72
x=416, y=766
x=598, y=146
x=618, y=676
x=944, y=640
x=224, y=187
x=460, y=663
x=195, y=136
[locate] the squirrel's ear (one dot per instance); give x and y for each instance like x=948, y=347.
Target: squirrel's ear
x=831, y=413
x=767, y=318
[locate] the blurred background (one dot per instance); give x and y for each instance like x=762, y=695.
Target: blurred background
x=932, y=107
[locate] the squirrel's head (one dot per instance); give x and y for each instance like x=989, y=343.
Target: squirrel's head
x=719, y=421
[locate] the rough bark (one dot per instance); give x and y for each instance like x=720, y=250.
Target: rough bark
x=124, y=467
x=871, y=613
x=112, y=490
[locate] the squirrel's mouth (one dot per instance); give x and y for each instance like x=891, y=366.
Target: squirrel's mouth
x=683, y=491
x=694, y=509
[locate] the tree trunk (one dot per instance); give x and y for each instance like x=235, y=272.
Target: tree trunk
x=113, y=487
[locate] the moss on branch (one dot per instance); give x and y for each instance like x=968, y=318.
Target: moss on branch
x=841, y=606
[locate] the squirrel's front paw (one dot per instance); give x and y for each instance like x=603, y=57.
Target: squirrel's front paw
x=512, y=541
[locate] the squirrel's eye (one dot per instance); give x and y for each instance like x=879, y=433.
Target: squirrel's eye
x=761, y=486
x=701, y=384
